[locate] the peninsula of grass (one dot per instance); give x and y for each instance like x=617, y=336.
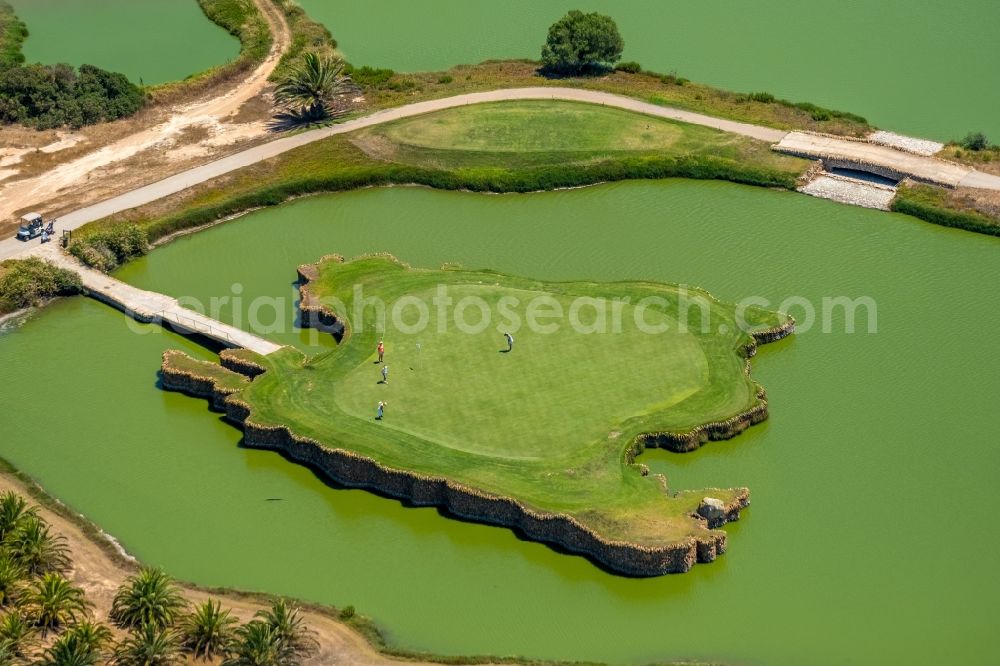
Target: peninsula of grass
x=542, y=438
x=501, y=147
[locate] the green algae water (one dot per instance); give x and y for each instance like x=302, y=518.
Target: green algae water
x=152, y=40
x=922, y=68
x=867, y=541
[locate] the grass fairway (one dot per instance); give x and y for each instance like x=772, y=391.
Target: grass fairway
x=532, y=133
x=594, y=366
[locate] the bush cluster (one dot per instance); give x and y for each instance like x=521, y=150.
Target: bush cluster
x=109, y=248
x=975, y=141
x=817, y=113
x=631, y=67
x=13, y=32
x=49, y=96
x=820, y=113
x=27, y=282
x=369, y=77
x=764, y=97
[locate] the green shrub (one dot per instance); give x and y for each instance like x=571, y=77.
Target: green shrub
x=402, y=85
x=13, y=32
x=975, y=141
x=370, y=76
x=631, y=67
x=581, y=43
x=49, y=96
x=446, y=79
x=109, y=248
x=347, y=612
x=27, y=282
x=763, y=97
x=819, y=113
x=672, y=79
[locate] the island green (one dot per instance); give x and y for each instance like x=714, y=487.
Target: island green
x=552, y=425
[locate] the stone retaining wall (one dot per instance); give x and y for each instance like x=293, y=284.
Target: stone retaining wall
x=358, y=471
x=191, y=383
x=231, y=359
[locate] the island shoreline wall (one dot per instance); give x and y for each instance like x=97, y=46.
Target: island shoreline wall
x=564, y=531
x=353, y=470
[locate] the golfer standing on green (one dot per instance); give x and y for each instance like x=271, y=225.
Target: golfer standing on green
x=385, y=374
x=510, y=341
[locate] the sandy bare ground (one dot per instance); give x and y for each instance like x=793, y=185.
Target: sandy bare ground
x=164, y=141
x=100, y=575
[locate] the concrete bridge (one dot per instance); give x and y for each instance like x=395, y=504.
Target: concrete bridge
x=152, y=307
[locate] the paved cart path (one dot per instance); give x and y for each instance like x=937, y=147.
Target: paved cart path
x=925, y=168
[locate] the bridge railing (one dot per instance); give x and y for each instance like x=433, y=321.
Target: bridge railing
x=196, y=324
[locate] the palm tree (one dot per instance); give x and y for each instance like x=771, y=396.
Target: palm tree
x=13, y=510
x=7, y=655
x=257, y=644
x=33, y=546
x=310, y=88
x=147, y=598
x=17, y=634
x=207, y=631
x=95, y=635
x=289, y=629
x=148, y=646
x=65, y=651
x=52, y=601
x=81, y=645
x=12, y=577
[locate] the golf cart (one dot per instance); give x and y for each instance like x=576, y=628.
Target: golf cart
x=31, y=227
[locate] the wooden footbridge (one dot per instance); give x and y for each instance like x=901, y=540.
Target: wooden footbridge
x=153, y=307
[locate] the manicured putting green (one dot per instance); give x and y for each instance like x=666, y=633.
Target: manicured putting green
x=536, y=126
x=593, y=367
x=538, y=132
x=554, y=392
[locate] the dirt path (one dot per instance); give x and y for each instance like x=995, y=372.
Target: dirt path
x=208, y=122
x=100, y=575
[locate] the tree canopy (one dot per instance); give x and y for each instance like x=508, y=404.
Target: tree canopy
x=48, y=96
x=581, y=43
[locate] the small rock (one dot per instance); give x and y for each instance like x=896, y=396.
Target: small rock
x=713, y=510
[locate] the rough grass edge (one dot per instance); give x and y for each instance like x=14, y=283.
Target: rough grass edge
x=494, y=181
x=926, y=203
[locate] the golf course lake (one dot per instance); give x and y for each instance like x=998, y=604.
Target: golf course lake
x=847, y=56
x=877, y=442
x=154, y=41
